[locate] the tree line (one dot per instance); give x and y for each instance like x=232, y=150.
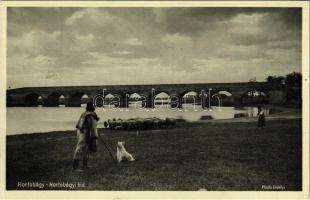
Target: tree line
x=291, y=79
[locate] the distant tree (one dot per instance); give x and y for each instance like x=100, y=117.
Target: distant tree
x=281, y=79
x=293, y=94
x=275, y=79
x=270, y=79
x=294, y=79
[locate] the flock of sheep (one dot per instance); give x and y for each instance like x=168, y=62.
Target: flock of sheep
x=139, y=123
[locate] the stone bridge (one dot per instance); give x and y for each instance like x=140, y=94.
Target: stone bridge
x=72, y=95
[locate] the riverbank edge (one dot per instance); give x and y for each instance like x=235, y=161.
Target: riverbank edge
x=180, y=125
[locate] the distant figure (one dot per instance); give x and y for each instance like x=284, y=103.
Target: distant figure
x=259, y=109
x=87, y=136
x=261, y=119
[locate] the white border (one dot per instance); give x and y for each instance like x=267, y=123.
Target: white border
x=158, y=195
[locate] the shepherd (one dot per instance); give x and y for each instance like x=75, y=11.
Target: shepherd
x=261, y=117
x=87, y=136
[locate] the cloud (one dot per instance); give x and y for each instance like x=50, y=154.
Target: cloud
x=133, y=42
x=90, y=16
x=26, y=64
x=246, y=24
x=83, y=43
x=262, y=28
x=150, y=45
x=177, y=40
x=248, y=19
x=106, y=61
x=122, y=52
x=36, y=41
x=73, y=19
x=159, y=14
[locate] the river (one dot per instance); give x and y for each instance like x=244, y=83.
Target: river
x=44, y=119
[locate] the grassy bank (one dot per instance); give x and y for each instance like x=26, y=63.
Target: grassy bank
x=214, y=156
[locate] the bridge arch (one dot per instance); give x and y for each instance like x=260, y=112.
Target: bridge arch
x=162, y=95
x=223, y=93
x=135, y=100
x=77, y=99
x=255, y=96
x=190, y=97
x=222, y=98
x=85, y=99
x=161, y=99
x=33, y=99
x=62, y=100
x=109, y=99
x=52, y=99
x=176, y=100
x=135, y=96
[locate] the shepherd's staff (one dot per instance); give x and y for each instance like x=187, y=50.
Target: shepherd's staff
x=107, y=147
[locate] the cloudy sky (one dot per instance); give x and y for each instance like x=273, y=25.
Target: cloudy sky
x=96, y=46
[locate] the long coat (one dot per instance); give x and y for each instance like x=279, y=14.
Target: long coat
x=87, y=135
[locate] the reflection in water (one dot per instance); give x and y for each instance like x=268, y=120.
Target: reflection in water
x=44, y=119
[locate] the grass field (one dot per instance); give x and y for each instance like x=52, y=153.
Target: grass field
x=215, y=156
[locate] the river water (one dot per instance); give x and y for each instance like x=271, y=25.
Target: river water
x=43, y=119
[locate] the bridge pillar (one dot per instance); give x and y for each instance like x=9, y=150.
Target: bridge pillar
x=97, y=99
x=124, y=98
x=73, y=102
x=54, y=100
x=237, y=97
x=203, y=99
x=76, y=100
x=16, y=100
x=31, y=100
x=48, y=102
x=148, y=100
x=176, y=101
x=119, y=101
x=91, y=97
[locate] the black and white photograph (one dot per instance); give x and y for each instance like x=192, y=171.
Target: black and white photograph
x=154, y=98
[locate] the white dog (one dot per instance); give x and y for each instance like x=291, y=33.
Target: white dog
x=122, y=154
